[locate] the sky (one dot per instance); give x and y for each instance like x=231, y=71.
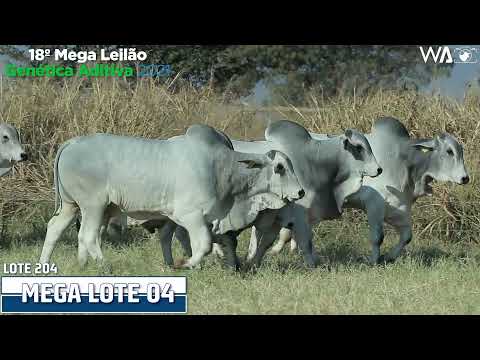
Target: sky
x=452, y=86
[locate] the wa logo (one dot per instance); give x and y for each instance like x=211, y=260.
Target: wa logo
x=443, y=55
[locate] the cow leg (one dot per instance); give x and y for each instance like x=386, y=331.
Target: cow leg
x=200, y=239
x=229, y=243
x=82, y=254
x=111, y=215
x=166, y=234
x=405, y=233
x=217, y=251
x=284, y=237
x=376, y=239
x=253, y=245
x=304, y=235
x=115, y=230
x=181, y=234
x=56, y=226
x=101, y=234
x=115, y=223
x=265, y=240
x=293, y=245
x=92, y=221
x=375, y=215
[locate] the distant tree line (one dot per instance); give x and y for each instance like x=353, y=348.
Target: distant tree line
x=288, y=70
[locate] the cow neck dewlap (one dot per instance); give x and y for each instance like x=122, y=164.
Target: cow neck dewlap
x=418, y=165
x=345, y=182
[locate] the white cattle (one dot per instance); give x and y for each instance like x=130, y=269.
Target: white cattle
x=329, y=170
x=409, y=166
x=11, y=150
x=195, y=180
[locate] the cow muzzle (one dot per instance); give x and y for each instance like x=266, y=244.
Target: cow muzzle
x=464, y=180
x=301, y=194
x=376, y=171
x=296, y=196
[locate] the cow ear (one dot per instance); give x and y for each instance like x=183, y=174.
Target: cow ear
x=348, y=138
x=271, y=154
x=425, y=146
x=252, y=164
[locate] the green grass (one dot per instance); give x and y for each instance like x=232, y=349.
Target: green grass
x=433, y=277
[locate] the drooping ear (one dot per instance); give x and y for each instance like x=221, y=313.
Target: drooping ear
x=348, y=138
x=252, y=164
x=424, y=149
x=425, y=145
x=271, y=154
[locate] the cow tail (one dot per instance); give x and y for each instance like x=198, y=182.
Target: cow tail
x=56, y=181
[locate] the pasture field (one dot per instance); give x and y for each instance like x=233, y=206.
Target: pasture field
x=439, y=273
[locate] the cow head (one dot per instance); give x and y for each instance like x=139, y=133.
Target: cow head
x=11, y=151
x=281, y=179
x=358, y=154
x=355, y=161
x=440, y=159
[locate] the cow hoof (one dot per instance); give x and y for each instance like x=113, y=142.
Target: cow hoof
x=319, y=260
x=179, y=264
x=232, y=269
x=250, y=268
x=377, y=262
x=388, y=260
x=311, y=262
x=324, y=263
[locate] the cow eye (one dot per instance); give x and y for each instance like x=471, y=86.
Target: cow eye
x=5, y=137
x=279, y=169
x=359, y=148
x=450, y=152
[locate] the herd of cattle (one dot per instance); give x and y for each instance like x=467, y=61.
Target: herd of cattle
x=205, y=189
